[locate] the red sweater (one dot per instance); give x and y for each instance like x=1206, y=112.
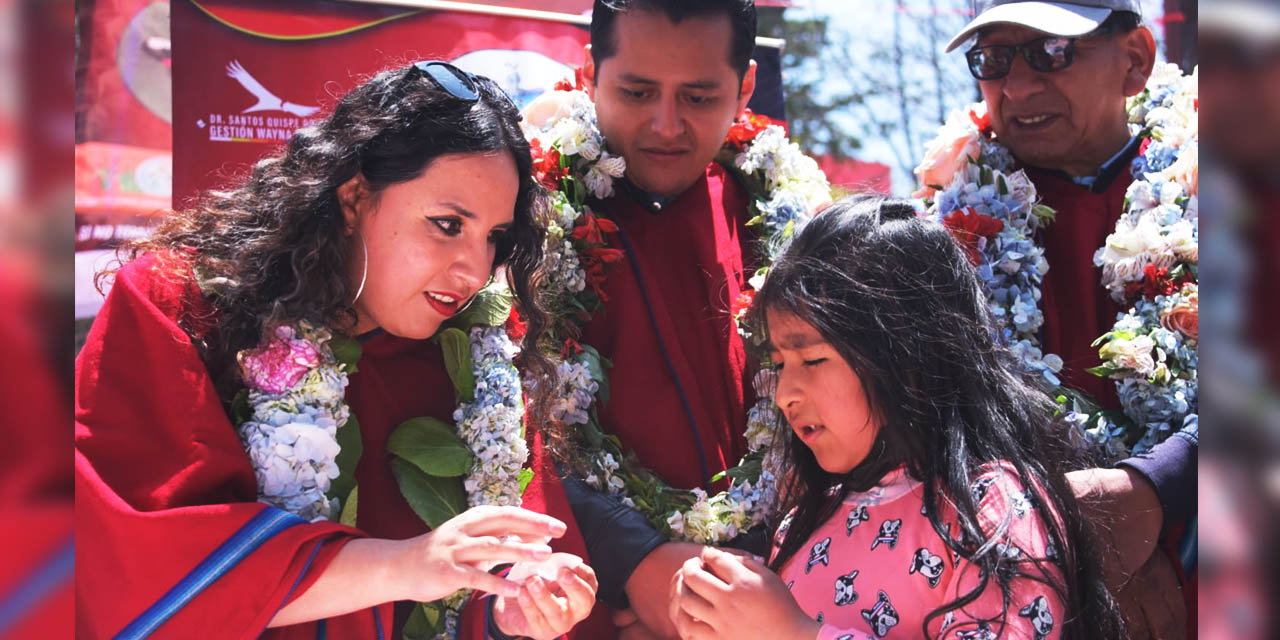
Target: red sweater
x=1077, y=309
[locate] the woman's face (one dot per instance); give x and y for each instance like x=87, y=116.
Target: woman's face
x=431, y=241
x=820, y=394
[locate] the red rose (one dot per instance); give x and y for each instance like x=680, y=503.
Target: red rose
x=742, y=302
x=576, y=85
x=968, y=226
x=546, y=165
x=515, y=327
x=747, y=127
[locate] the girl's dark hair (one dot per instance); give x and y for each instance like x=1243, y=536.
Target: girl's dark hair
x=273, y=247
x=898, y=299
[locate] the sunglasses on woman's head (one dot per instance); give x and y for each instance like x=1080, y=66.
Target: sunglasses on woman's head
x=458, y=83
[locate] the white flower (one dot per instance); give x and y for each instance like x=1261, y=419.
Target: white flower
x=676, y=522
x=1132, y=354
x=573, y=137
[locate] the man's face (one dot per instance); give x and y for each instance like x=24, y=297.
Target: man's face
x=1242, y=115
x=666, y=98
x=1072, y=119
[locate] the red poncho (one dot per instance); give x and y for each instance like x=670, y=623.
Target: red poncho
x=162, y=479
x=691, y=257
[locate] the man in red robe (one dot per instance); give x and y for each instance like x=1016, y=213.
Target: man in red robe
x=1055, y=77
x=668, y=79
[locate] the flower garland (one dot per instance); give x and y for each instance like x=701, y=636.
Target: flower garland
x=292, y=414
x=1149, y=262
x=570, y=159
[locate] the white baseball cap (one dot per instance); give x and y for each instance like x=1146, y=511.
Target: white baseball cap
x=1069, y=19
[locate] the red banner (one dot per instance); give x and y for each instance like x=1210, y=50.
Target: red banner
x=247, y=73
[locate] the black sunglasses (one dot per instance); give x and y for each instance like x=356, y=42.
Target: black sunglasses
x=1052, y=53
x=1045, y=55
x=458, y=83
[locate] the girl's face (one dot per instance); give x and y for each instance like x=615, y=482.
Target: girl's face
x=820, y=394
x=431, y=241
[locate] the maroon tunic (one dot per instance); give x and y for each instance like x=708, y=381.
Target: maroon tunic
x=1077, y=308
x=694, y=257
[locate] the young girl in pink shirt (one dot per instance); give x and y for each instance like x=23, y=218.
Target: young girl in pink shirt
x=926, y=495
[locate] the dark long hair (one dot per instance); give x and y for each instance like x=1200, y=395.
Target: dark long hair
x=274, y=245
x=897, y=298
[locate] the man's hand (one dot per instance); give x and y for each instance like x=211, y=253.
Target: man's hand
x=555, y=595
x=1126, y=512
x=1152, y=602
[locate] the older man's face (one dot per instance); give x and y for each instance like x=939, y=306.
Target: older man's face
x=1072, y=119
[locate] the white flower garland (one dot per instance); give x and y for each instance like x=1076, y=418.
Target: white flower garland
x=1152, y=256
x=296, y=397
x=569, y=151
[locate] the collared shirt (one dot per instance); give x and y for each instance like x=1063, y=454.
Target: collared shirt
x=1108, y=172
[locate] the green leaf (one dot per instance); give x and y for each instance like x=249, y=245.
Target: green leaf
x=435, y=500
x=596, y=365
x=351, y=448
x=348, y=516
x=457, y=361
x=526, y=476
x=1002, y=186
x=748, y=470
x=431, y=446
x=420, y=626
x=347, y=352
x=240, y=409
x=1103, y=371
x=491, y=307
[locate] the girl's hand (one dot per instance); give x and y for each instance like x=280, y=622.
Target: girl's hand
x=720, y=595
x=459, y=553
x=557, y=593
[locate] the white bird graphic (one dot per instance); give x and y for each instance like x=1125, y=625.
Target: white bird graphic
x=267, y=101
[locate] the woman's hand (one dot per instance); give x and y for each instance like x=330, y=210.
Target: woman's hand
x=557, y=593
x=722, y=595
x=459, y=553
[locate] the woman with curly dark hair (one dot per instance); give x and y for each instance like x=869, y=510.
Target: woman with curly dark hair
x=218, y=377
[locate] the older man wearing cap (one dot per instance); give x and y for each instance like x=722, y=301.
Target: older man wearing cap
x=1055, y=77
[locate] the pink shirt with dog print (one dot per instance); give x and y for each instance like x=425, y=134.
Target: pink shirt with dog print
x=877, y=567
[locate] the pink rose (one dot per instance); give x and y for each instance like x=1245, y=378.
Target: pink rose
x=278, y=365
x=945, y=156
x=1184, y=317
x=547, y=108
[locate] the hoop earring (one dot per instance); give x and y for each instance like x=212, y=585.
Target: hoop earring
x=364, y=277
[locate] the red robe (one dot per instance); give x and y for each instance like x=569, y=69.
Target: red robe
x=162, y=479
x=1077, y=309
x=691, y=256
x=1264, y=305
